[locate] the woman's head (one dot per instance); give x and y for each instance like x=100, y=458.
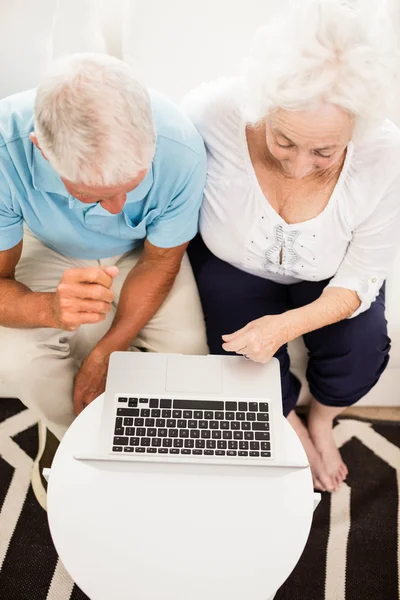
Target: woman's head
x=321, y=64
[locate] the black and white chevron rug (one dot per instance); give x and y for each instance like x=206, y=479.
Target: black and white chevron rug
x=353, y=552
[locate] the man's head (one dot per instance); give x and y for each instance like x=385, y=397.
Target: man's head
x=94, y=124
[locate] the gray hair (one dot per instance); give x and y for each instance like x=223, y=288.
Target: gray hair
x=334, y=51
x=93, y=120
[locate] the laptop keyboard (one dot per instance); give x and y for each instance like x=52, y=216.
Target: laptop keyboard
x=192, y=427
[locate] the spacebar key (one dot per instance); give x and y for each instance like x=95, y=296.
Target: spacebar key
x=199, y=404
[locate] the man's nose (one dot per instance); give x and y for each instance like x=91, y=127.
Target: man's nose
x=114, y=204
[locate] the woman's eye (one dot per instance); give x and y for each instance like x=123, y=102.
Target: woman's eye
x=282, y=146
x=323, y=155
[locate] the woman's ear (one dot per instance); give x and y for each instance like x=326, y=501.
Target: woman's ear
x=34, y=141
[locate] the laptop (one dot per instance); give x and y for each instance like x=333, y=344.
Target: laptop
x=172, y=408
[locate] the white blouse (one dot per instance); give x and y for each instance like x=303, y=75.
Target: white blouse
x=354, y=240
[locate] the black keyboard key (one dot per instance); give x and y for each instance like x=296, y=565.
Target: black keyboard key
x=186, y=451
x=238, y=435
x=259, y=426
x=145, y=441
x=176, y=414
x=156, y=442
x=192, y=424
x=160, y=422
x=145, y=412
x=134, y=441
x=174, y=433
x=197, y=451
x=205, y=434
x=219, y=416
x=251, y=416
x=143, y=400
x=153, y=403
x=220, y=453
x=121, y=441
x=254, y=445
x=203, y=424
x=194, y=433
x=122, y=399
x=235, y=425
x=216, y=435
x=167, y=443
x=232, y=445
x=211, y=444
x=152, y=432
x=120, y=431
x=243, y=445
x=262, y=417
x=214, y=425
x=162, y=450
x=182, y=423
x=173, y=451
x=133, y=402
x=187, y=414
x=139, y=422
x=208, y=414
x=163, y=432
x=209, y=452
x=117, y=449
x=128, y=412
x=265, y=446
x=266, y=454
x=231, y=453
x=149, y=422
x=130, y=431
x=178, y=443
x=140, y=431
x=263, y=436
x=264, y=406
x=224, y=425
x=189, y=443
x=129, y=449
x=156, y=413
x=222, y=444
x=166, y=414
x=254, y=454
x=231, y=406
x=248, y=435
x=253, y=406
x=198, y=414
x=227, y=435
x=171, y=423
x=199, y=404
x=151, y=450
x=119, y=421
x=246, y=426
x=128, y=421
x=243, y=406
x=165, y=403
x=140, y=449
x=230, y=416
x=200, y=444
x=240, y=416
x=243, y=453
x=184, y=433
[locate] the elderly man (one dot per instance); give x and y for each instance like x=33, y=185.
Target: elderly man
x=100, y=189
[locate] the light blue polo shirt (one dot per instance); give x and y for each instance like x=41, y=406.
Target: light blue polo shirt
x=164, y=208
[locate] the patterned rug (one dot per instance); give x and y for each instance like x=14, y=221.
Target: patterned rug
x=352, y=553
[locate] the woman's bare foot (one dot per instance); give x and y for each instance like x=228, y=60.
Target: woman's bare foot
x=320, y=421
x=322, y=480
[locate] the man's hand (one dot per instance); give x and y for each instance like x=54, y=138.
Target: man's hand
x=260, y=339
x=90, y=381
x=83, y=296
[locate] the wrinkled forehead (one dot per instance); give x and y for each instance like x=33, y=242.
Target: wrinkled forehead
x=322, y=127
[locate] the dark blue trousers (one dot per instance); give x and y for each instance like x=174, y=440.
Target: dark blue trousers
x=346, y=359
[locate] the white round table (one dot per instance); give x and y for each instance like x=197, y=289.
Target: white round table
x=123, y=532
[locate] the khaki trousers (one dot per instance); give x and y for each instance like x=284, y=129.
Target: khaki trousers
x=39, y=365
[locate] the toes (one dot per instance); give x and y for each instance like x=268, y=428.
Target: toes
x=326, y=482
x=318, y=485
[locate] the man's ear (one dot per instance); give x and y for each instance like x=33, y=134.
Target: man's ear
x=34, y=141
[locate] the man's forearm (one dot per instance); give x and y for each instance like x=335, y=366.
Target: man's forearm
x=142, y=294
x=21, y=308
x=334, y=305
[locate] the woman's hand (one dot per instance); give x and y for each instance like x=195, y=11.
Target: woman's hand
x=260, y=339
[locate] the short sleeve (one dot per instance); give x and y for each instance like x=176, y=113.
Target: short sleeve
x=11, y=222
x=372, y=250
x=179, y=222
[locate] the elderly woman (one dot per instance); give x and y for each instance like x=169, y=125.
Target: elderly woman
x=301, y=216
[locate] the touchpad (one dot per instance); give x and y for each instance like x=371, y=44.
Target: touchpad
x=194, y=374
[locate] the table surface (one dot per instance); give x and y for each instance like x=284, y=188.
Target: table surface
x=173, y=532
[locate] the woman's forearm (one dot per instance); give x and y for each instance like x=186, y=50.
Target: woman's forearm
x=335, y=304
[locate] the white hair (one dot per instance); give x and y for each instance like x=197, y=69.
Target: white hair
x=324, y=51
x=93, y=120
